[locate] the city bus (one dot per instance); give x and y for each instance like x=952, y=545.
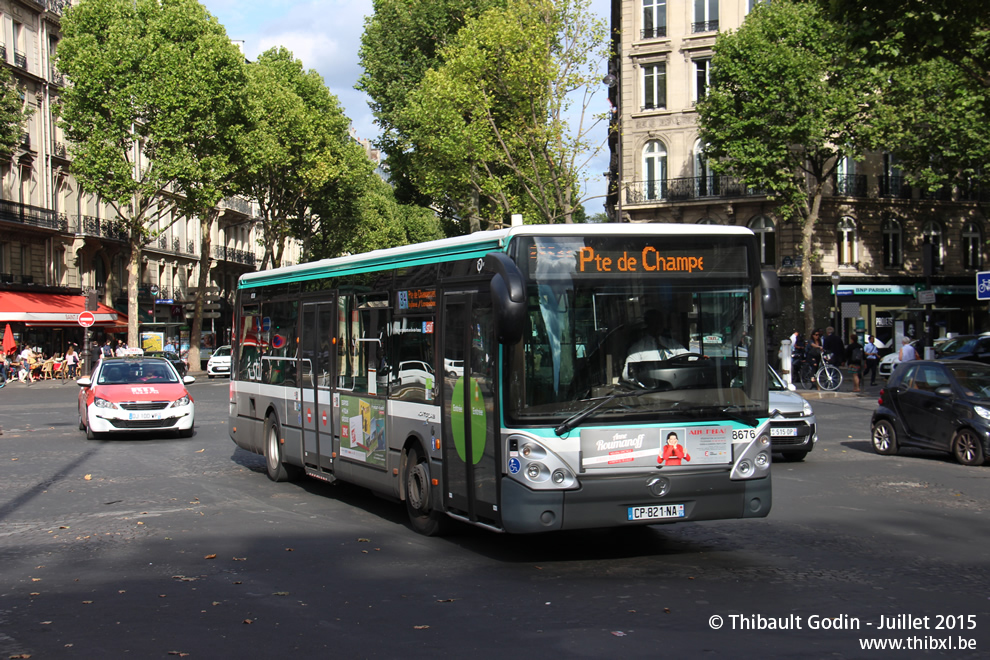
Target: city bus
x=500, y=378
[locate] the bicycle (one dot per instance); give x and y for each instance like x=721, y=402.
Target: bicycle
x=827, y=376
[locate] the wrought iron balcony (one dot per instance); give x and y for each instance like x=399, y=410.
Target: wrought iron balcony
x=850, y=185
x=59, y=149
x=56, y=77
x=88, y=225
x=163, y=242
x=654, y=33
x=28, y=215
x=704, y=26
x=974, y=193
x=895, y=187
x=687, y=188
x=3, y=52
x=176, y=245
x=20, y=59
x=191, y=247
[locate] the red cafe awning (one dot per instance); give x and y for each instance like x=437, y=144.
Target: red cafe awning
x=51, y=309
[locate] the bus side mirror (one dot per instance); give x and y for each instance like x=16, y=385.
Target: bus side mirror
x=508, y=297
x=770, y=284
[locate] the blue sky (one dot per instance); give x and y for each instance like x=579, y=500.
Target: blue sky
x=326, y=35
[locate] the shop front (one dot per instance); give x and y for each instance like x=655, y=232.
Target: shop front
x=892, y=311
x=50, y=321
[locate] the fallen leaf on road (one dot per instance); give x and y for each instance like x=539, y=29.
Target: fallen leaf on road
x=240, y=558
x=247, y=621
x=87, y=602
x=363, y=541
x=88, y=477
x=201, y=451
x=420, y=627
x=618, y=633
x=210, y=557
x=281, y=593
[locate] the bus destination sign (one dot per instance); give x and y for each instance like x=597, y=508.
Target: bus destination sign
x=417, y=299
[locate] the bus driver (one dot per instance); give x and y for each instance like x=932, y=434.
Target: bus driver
x=655, y=346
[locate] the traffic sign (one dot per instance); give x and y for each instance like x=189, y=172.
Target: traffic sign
x=926, y=297
x=86, y=319
x=983, y=285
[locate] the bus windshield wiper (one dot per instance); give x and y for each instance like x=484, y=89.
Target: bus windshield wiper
x=577, y=418
x=738, y=413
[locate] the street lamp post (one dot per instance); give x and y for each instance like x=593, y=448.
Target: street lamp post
x=836, y=278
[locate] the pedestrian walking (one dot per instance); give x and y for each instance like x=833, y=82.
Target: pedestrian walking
x=854, y=361
x=907, y=351
x=871, y=362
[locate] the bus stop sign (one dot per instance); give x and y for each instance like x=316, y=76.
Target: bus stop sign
x=983, y=285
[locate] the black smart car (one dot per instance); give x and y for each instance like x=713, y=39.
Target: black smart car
x=936, y=404
x=965, y=347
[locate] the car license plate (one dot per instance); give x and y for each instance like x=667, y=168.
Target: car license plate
x=782, y=432
x=144, y=415
x=655, y=512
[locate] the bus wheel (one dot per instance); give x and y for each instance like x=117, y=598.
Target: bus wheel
x=274, y=467
x=423, y=518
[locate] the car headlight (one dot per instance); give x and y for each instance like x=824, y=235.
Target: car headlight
x=806, y=410
x=183, y=401
x=103, y=403
x=982, y=412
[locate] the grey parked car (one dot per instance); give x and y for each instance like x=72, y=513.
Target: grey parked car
x=793, y=432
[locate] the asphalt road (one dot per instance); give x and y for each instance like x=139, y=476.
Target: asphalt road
x=165, y=547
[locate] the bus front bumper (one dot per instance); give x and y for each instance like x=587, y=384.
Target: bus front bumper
x=612, y=501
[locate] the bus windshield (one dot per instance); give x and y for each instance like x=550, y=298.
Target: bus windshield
x=667, y=324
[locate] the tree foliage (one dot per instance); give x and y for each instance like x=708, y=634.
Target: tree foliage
x=786, y=101
x=936, y=94
x=401, y=41
x=295, y=148
x=489, y=126
x=13, y=114
x=153, y=83
x=903, y=32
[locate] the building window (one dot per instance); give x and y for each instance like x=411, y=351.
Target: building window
x=705, y=181
x=893, y=243
x=702, y=71
x=931, y=232
x=705, y=16
x=654, y=170
x=655, y=86
x=654, y=19
x=972, y=241
x=892, y=179
x=847, y=249
x=763, y=227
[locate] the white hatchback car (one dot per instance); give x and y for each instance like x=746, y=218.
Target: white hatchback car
x=793, y=431
x=219, y=362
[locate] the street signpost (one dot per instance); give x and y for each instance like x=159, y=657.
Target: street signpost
x=983, y=285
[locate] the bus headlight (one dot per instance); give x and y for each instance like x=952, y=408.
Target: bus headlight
x=752, y=461
x=532, y=463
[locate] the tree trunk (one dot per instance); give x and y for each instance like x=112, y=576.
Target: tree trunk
x=196, y=328
x=807, y=237
x=133, y=280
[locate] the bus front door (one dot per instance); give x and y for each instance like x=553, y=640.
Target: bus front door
x=315, y=380
x=470, y=421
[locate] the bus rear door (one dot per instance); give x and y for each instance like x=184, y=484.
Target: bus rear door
x=316, y=377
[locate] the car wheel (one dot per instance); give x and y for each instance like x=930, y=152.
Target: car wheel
x=186, y=433
x=795, y=457
x=276, y=469
x=90, y=433
x=82, y=424
x=210, y=376
x=419, y=502
x=966, y=448
x=884, y=438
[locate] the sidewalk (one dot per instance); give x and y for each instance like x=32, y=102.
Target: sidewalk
x=845, y=390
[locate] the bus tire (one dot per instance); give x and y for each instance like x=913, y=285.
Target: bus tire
x=275, y=468
x=418, y=488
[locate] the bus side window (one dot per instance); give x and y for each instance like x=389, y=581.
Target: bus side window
x=413, y=372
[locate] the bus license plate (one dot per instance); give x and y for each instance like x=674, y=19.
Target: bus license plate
x=144, y=415
x=656, y=512
x=778, y=432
